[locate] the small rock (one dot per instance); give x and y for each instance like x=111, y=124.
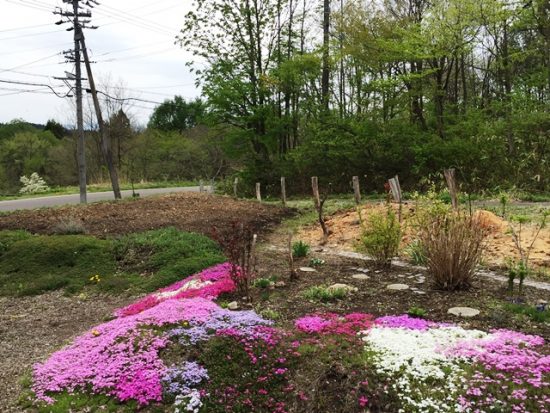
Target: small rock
x=401, y=275
x=360, y=276
x=347, y=288
x=280, y=284
x=419, y=292
x=397, y=287
x=420, y=281
x=466, y=312
x=233, y=305
x=307, y=269
x=378, y=271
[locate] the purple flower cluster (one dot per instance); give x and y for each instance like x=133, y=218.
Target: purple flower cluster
x=219, y=319
x=181, y=380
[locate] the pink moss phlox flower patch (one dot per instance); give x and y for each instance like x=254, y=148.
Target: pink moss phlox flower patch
x=210, y=283
x=406, y=321
x=119, y=358
x=331, y=323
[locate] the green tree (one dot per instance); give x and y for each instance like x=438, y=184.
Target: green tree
x=177, y=115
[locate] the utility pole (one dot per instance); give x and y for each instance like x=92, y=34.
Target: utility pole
x=105, y=140
x=80, y=48
x=81, y=147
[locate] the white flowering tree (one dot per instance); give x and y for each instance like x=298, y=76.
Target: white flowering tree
x=33, y=184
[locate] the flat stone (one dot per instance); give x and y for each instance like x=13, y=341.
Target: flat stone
x=280, y=284
x=466, y=312
x=233, y=305
x=419, y=292
x=307, y=269
x=420, y=281
x=360, y=276
x=347, y=288
x=397, y=287
x=401, y=275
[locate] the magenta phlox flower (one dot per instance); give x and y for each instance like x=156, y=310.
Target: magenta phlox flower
x=209, y=284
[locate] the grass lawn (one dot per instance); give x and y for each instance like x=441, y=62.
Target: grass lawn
x=141, y=262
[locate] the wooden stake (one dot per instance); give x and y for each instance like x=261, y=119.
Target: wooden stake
x=293, y=273
x=451, y=184
x=258, y=192
x=201, y=186
x=283, y=190
x=396, y=193
x=235, y=184
x=315, y=188
x=356, y=190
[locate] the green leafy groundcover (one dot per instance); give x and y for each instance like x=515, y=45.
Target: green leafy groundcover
x=143, y=262
x=178, y=349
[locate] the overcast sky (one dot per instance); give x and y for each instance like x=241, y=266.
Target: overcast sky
x=133, y=46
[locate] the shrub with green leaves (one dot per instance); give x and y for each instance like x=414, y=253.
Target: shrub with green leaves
x=262, y=283
x=381, y=236
x=300, y=249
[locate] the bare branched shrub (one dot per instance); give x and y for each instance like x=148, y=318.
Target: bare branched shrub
x=238, y=245
x=453, y=246
x=69, y=226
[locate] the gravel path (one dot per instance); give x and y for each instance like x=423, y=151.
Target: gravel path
x=31, y=328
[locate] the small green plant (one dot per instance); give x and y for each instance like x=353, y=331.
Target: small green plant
x=270, y=314
x=381, y=236
x=300, y=249
x=503, y=199
x=516, y=270
x=316, y=262
x=262, y=283
x=416, y=252
x=418, y=312
x=324, y=294
x=529, y=311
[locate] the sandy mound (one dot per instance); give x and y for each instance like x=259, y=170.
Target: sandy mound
x=345, y=230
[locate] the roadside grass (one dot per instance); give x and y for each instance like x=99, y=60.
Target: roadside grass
x=102, y=187
x=144, y=262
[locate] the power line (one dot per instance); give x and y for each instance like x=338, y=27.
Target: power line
x=31, y=35
x=29, y=63
x=14, y=29
x=15, y=82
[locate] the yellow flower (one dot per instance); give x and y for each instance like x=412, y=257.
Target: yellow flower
x=95, y=333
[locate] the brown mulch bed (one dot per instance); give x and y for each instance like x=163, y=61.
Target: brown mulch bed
x=488, y=296
x=193, y=212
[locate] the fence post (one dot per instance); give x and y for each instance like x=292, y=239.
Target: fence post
x=356, y=189
x=396, y=193
x=235, y=183
x=258, y=192
x=201, y=186
x=451, y=184
x=283, y=190
x=315, y=188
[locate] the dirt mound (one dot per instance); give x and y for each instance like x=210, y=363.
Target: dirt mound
x=345, y=230
x=194, y=212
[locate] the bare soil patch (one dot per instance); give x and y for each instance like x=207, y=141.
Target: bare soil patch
x=194, y=212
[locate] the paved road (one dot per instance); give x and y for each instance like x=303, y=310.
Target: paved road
x=57, y=200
